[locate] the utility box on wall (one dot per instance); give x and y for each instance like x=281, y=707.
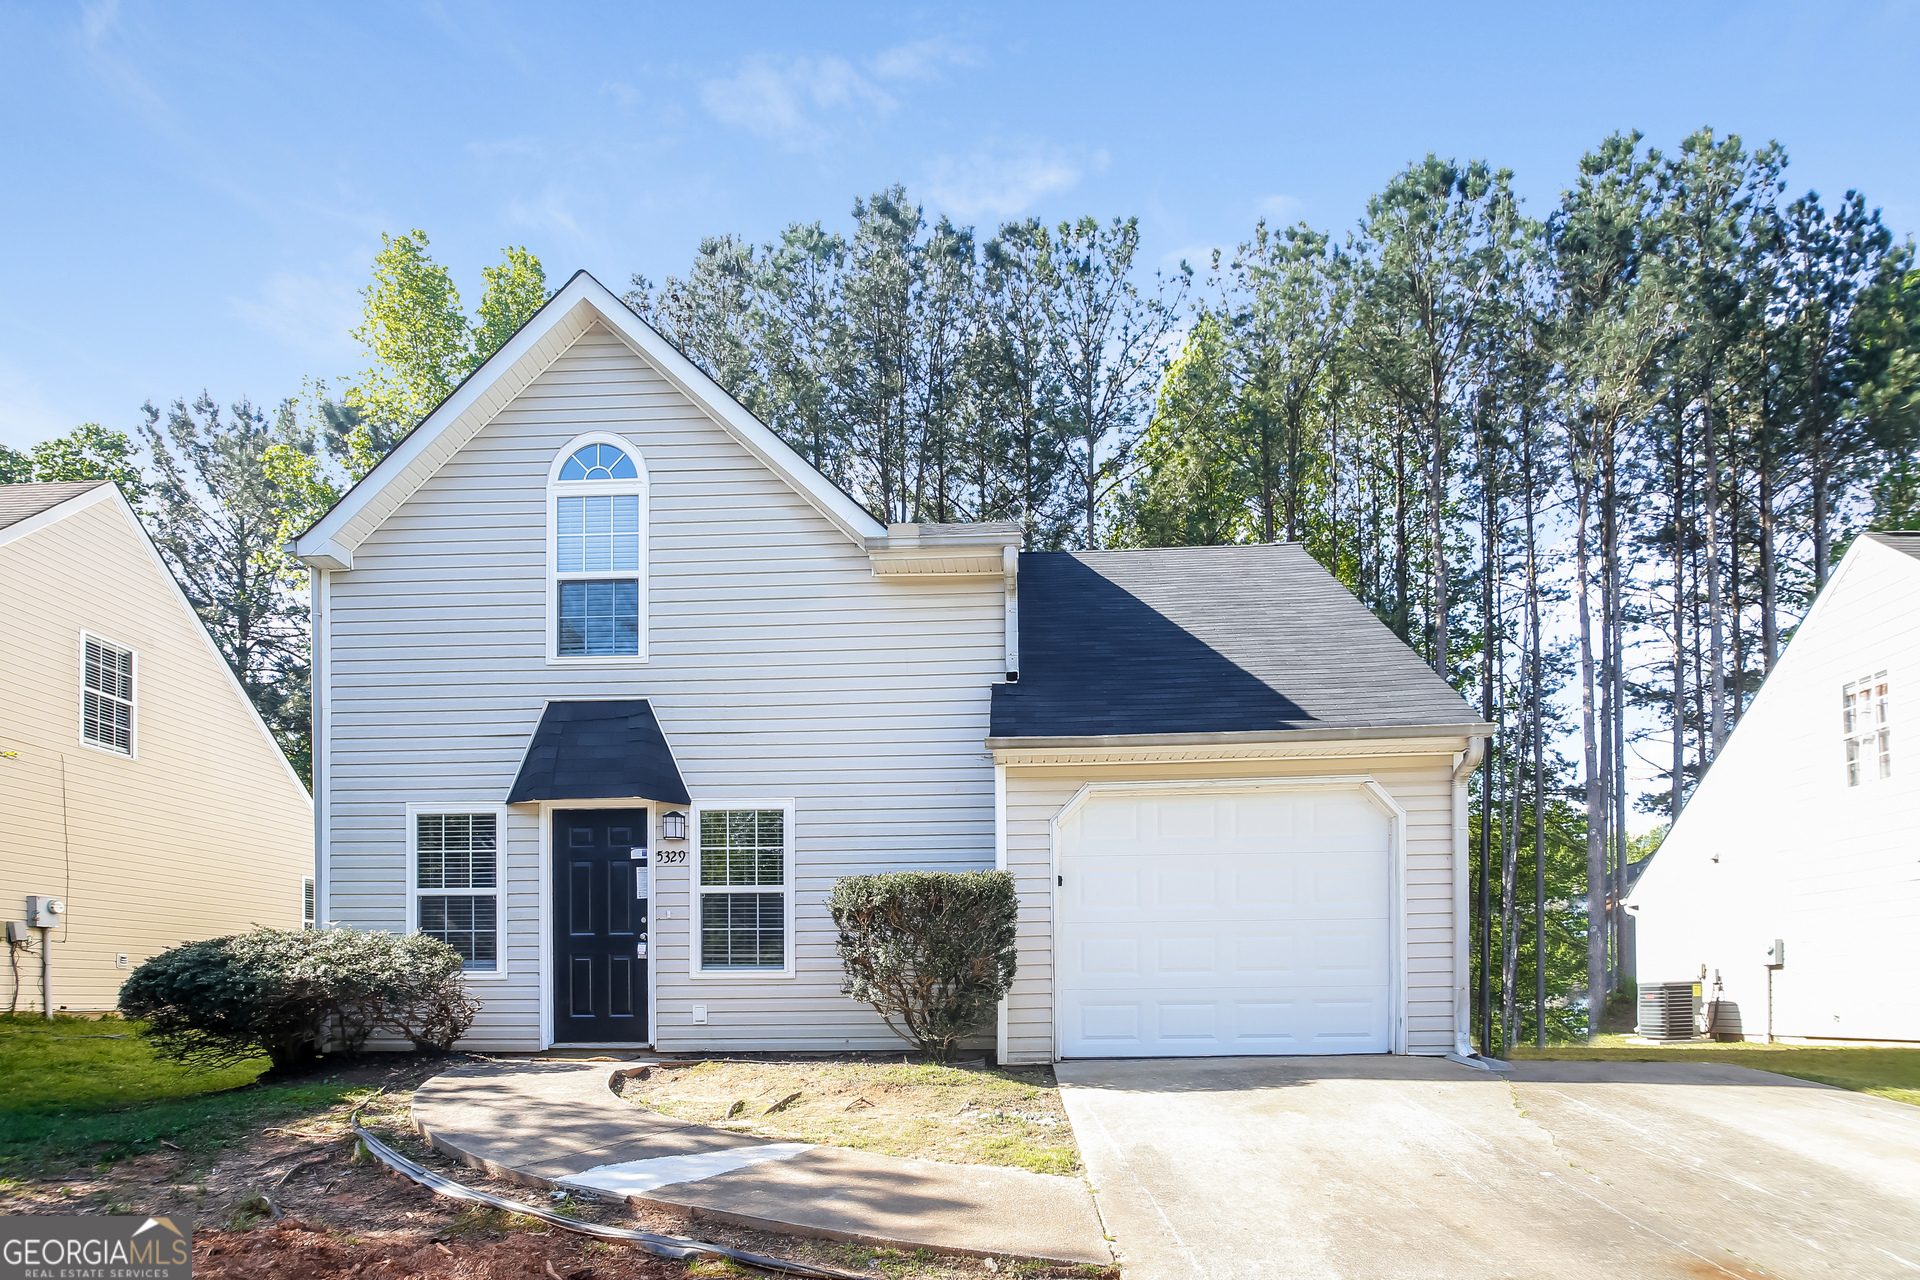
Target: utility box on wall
x=44, y=912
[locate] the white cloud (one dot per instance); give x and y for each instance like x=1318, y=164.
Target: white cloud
x=1002, y=181
x=785, y=99
x=96, y=20
x=921, y=59
x=549, y=211
x=309, y=313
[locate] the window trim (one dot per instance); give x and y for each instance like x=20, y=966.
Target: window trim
x=696, y=892
x=133, y=704
x=556, y=489
x=1861, y=750
x=499, y=972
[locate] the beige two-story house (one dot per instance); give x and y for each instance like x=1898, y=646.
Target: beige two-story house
x=138, y=787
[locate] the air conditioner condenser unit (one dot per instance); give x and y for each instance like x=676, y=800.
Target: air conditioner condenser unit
x=1669, y=1010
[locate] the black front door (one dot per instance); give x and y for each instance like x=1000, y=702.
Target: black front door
x=600, y=926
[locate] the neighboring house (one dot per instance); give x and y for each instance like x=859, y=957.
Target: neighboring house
x=613, y=685
x=1802, y=833
x=137, y=784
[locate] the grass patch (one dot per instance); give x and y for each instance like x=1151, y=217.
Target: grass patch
x=1885, y=1073
x=954, y=1114
x=80, y=1091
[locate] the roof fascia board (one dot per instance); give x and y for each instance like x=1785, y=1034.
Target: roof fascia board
x=58, y=512
x=1467, y=729
x=330, y=543
x=206, y=637
x=754, y=435
x=330, y=536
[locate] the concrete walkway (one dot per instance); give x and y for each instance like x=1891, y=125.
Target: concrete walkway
x=1390, y=1168
x=558, y=1125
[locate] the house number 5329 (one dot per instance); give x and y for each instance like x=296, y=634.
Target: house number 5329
x=670, y=857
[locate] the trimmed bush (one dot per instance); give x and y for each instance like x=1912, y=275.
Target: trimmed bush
x=289, y=993
x=932, y=951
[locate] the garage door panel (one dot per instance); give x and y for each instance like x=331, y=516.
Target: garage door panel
x=1209, y=1021
x=1266, y=953
x=1249, y=923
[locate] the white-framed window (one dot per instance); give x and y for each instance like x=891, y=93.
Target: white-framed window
x=1868, y=729
x=106, y=695
x=453, y=880
x=597, y=553
x=307, y=903
x=743, y=888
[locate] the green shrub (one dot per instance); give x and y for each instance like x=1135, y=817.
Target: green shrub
x=289, y=993
x=932, y=951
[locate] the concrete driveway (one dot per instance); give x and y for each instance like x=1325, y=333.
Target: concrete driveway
x=1382, y=1168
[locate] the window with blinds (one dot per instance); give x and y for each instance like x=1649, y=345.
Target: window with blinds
x=106, y=696
x=459, y=851
x=743, y=889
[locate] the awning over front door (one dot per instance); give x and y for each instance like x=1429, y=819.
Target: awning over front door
x=599, y=751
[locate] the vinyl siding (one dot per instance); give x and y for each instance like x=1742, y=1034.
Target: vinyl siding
x=779, y=667
x=204, y=832
x=1421, y=785
x=1775, y=844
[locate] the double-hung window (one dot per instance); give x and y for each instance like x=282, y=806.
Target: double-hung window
x=744, y=888
x=106, y=695
x=1865, y=723
x=599, y=547
x=456, y=883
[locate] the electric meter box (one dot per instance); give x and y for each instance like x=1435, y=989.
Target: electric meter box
x=44, y=912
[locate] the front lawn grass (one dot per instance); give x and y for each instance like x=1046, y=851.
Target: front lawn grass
x=1885, y=1073
x=77, y=1091
x=960, y=1115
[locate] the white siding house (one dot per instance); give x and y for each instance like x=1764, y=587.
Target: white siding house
x=1802, y=833
x=591, y=584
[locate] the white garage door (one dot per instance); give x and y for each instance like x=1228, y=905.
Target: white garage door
x=1223, y=922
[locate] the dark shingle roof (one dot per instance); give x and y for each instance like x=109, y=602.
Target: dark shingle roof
x=598, y=750
x=1206, y=640
x=1908, y=543
x=21, y=501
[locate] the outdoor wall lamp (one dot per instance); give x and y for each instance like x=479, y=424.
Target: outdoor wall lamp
x=673, y=826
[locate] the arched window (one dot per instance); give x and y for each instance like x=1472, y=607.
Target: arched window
x=597, y=501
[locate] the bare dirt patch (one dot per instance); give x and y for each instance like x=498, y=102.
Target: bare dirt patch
x=960, y=1115
x=340, y=1219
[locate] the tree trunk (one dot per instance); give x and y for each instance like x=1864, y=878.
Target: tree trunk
x=1437, y=501
x=1769, y=572
x=1678, y=798
x=1537, y=722
x=1487, y=631
x=1596, y=780
x=1716, y=629
x=1402, y=573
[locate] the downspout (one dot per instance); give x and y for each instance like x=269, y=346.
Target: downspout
x=316, y=703
x=1462, y=915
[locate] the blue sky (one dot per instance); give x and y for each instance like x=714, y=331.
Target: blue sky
x=193, y=192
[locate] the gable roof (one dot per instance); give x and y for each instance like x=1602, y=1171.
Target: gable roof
x=1208, y=640
x=580, y=303
x=27, y=508
x=21, y=501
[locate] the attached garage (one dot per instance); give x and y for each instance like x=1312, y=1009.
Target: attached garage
x=1215, y=918
x=1234, y=804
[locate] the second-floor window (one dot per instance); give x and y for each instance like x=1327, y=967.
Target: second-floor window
x=106, y=696
x=598, y=553
x=1866, y=724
